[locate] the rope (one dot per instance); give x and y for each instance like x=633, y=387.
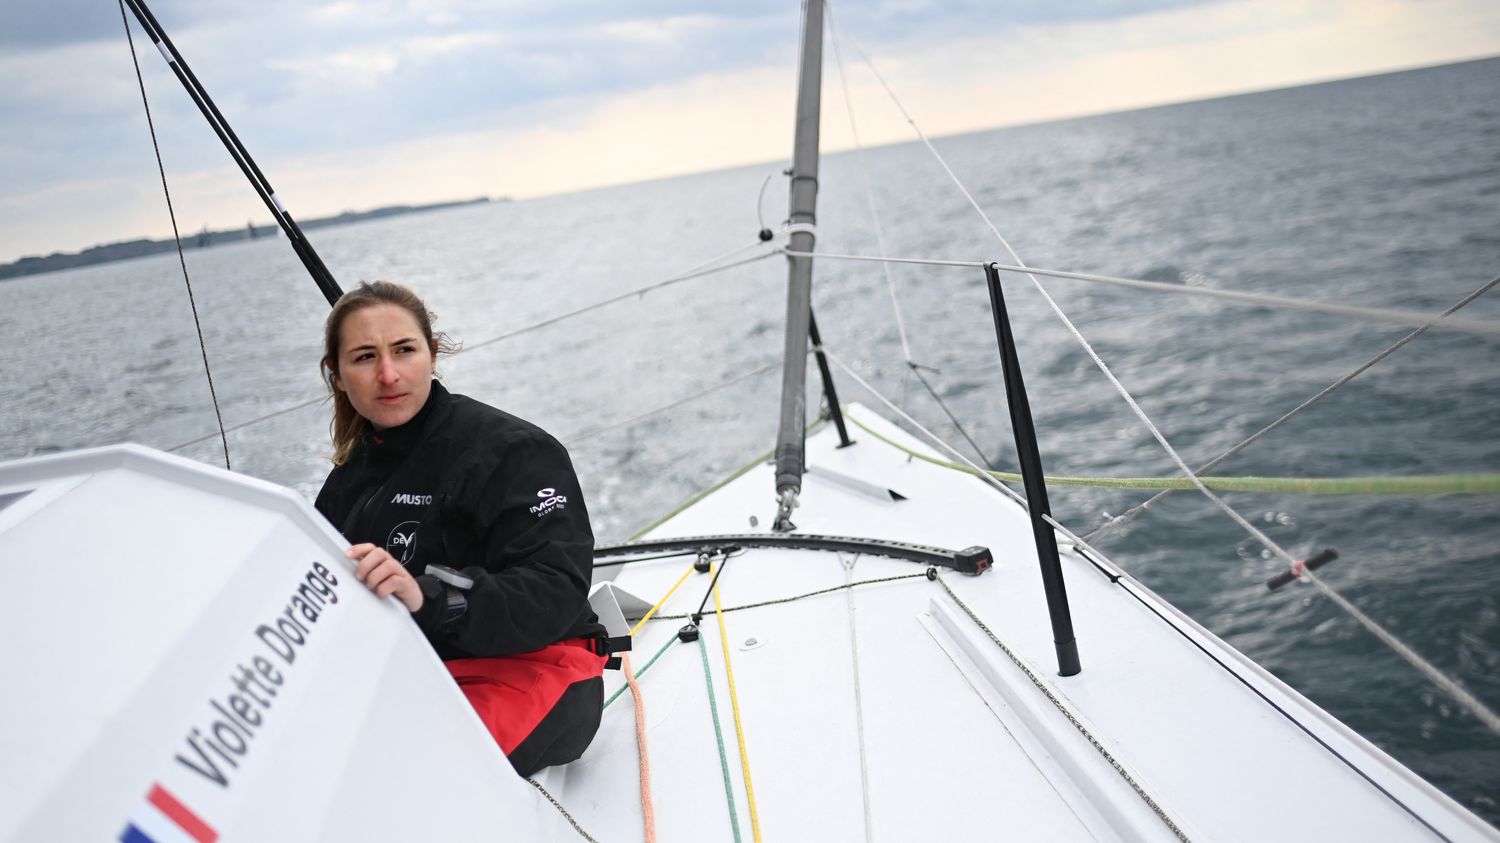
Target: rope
x=648, y=811
x=181, y=259
x=1457, y=691
x=1131, y=513
x=666, y=645
x=713, y=709
x=1481, y=711
x=1430, y=484
x=664, y=599
x=564, y=811
x=1395, y=315
x=739, y=725
x=1058, y=704
x=778, y=601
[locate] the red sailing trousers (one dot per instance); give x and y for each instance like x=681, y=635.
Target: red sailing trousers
x=542, y=707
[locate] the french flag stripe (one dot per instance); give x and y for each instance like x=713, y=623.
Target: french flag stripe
x=163, y=819
x=179, y=813
x=131, y=834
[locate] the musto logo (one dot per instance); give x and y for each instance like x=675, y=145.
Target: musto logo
x=550, y=500
x=402, y=542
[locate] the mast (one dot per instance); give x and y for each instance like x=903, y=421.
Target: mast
x=792, y=434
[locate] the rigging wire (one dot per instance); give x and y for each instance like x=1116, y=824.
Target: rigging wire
x=1451, y=686
x=864, y=177
x=685, y=275
x=595, y=431
x=181, y=259
x=1126, y=516
x=1391, y=315
x=1454, y=689
x=696, y=272
x=890, y=284
x=1430, y=484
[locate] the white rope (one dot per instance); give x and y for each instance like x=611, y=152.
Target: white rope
x=1478, y=709
x=1395, y=315
x=864, y=177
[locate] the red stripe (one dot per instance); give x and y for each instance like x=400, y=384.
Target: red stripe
x=179, y=813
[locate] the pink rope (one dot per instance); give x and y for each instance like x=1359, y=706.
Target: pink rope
x=648, y=813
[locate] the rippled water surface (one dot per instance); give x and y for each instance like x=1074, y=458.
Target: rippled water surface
x=1382, y=191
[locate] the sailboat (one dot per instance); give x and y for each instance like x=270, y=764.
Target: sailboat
x=851, y=640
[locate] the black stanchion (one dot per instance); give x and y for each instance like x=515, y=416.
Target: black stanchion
x=828, y=391
x=1036, y=486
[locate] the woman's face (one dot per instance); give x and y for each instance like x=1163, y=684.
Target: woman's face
x=384, y=365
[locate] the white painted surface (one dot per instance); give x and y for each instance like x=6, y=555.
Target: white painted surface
x=959, y=742
x=132, y=595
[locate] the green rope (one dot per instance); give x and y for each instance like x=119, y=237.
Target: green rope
x=713, y=708
x=1430, y=484
x=642, y=672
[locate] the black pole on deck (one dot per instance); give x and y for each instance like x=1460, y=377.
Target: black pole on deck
x=1036, y=486
x=828, y=391
x=320, y=274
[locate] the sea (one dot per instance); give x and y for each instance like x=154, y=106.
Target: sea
x=1381, y=191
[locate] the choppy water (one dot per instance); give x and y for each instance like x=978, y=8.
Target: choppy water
x=1380, y=191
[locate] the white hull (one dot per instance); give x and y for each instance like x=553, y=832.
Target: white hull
x=956, y=739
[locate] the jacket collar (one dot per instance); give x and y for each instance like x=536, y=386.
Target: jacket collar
x=399, y=440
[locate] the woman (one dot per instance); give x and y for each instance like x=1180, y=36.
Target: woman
x=470, y=516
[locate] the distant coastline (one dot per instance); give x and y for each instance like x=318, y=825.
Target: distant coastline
x=36, y=265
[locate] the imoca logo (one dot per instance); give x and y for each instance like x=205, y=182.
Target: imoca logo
x=550, y=500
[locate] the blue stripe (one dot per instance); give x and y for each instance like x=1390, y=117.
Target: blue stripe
x=131, y=834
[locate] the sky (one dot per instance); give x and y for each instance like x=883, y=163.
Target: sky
x=354, y=104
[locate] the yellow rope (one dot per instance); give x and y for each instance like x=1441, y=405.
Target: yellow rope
x=664, y=599
x=739, y=730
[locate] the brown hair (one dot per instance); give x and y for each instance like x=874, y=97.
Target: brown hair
x=348, y=424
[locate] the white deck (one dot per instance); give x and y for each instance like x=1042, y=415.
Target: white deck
x=956, y=740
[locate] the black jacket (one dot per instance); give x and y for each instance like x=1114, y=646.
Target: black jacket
x=465, y=485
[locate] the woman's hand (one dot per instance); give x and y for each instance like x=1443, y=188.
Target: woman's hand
x=385, y=575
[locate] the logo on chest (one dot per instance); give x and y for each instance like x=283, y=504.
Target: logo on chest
x=402, y=542
x=412, y=500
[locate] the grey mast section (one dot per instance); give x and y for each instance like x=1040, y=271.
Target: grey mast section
x=804, y=196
